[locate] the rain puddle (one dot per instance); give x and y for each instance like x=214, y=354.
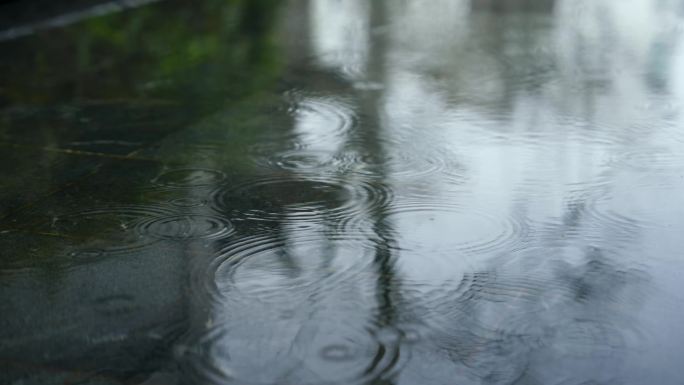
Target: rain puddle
x=342, y=192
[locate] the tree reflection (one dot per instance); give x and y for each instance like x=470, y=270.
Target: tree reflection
x=88, y=113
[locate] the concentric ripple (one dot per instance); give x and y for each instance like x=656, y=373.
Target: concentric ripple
x=299, y=287
x=187, y=203
x=110, y=229
x=340, y=353
x=517, y=291
x=311, y=200
x=401, y=165
x=184, y=227
x=300, y=160
x=273, y=270
x=404, y=165
x=315, y=161
x=569, y=301
x=432, y=163
x=447, y=228
x=127, y=228
x=320, y=124
x=189, y=177
x=270, y=352
x=594, y=215
x=322, y=121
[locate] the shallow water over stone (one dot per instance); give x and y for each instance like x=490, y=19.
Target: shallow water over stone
x=342, y=192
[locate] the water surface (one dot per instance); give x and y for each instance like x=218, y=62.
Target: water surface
x=343, y=192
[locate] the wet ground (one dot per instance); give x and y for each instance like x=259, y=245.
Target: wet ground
x=342, y=192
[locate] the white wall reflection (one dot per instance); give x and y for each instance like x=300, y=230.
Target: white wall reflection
x=340, y=35
x=322, y=124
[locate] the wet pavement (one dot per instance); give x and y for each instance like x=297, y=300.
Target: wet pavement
x=343, y=192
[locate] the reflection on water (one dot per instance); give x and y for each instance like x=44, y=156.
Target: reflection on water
x=345, y=192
